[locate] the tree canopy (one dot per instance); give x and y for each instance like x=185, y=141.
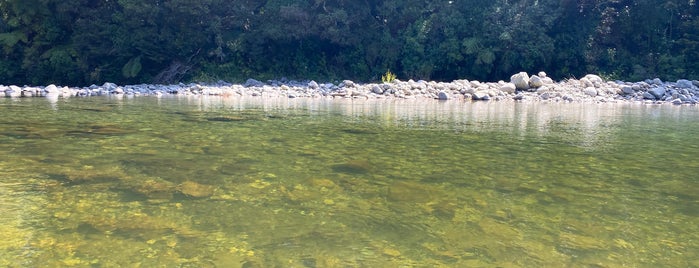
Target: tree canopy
x=79, y=42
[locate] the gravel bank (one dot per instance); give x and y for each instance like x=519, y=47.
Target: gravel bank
x=521, y=87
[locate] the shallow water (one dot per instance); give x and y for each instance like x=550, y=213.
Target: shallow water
x=231, y=182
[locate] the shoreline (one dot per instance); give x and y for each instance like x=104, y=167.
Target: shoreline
x=521, y=87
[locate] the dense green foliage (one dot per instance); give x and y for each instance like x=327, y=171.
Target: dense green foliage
x=79, y=42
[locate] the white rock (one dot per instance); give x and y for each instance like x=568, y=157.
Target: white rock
x=590, y=91
x=442, y=95
x=520, y=80
x=348, y=83
x=542, y=74
x=13, y=91
x=313, y=85
x=535, y=81
x=508, y=88
x=377, y=89
x=51, y=89
x=480, y=95
x=595, y=79
x=109, y=86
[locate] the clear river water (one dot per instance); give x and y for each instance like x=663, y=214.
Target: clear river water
x=251, y=182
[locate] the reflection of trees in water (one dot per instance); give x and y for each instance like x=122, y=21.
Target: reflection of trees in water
x=586, y=124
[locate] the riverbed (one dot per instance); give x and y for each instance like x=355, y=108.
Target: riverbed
x=211, y=181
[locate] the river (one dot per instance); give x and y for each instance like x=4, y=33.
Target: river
x=201, y=181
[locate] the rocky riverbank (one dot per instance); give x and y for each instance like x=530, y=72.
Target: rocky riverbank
x=521, y=87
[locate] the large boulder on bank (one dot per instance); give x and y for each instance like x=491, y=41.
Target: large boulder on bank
x=535, y=81
x=683, y=83
x=594, y=79
x=442, y=95
x=590, y=91
x=658, y=92
x=13, y=91
x=521, y=80
x=313, y=85
x=51, y=89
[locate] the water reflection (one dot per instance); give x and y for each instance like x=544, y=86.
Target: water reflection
x=592, y=124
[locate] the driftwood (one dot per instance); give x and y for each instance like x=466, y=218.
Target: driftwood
x=174, y=72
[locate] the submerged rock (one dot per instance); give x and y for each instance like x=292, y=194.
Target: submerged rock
x=353, y=167
x=195, y=189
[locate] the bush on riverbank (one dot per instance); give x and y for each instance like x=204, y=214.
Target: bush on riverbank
x=78, y=42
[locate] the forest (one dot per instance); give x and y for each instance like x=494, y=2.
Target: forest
x=83, y=42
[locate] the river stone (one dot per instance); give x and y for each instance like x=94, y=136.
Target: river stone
x=443, y=95
x=480, y=95
x=409, y=191
x=648, y=96
x=347, y=83
x=658, y=92
x=545, y=96
x=535, y=81
x=508, y=88
x=683, y=83
x=313, y=85
x=28, y=92
x=195, y=189
x=520, y=80
x=109, y=86
x=594, y=79
x=359, y=166
x=377, y=89
x=626, y=90
x=590, y=91
x=253, y=83
x=51, y=89
x=13, y=91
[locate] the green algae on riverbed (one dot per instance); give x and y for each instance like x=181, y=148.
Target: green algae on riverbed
x=215, y=182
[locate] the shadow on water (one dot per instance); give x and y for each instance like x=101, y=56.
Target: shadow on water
x=89, y=130
x=357, y=167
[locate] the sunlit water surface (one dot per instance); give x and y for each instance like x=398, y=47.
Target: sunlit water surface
x=230, y=182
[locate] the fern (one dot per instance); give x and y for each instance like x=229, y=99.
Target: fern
x=388, y=77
